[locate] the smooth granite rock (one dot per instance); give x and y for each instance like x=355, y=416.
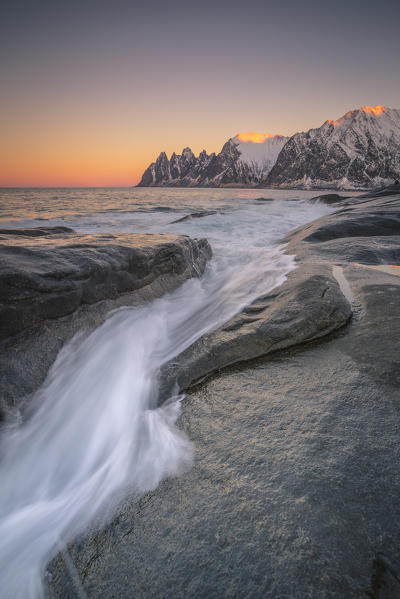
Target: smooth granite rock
x=294, y=492
x=308, y=306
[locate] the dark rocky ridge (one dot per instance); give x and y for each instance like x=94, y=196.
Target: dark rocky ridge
x=36, y=231
x=56, y=285
x=214, y=170
x=194, y=215
x=296, y=488
x=329, y=198
x=53, y=276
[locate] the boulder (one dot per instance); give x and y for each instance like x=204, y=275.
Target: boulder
x=52, y=276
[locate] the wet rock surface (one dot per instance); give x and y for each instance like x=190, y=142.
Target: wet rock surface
x=329, y=198
x=53, y=276
x=35, y=231
x=295, y=488
x=308, y=306
x=194, y=215
x=61, y=283
x=311, y=303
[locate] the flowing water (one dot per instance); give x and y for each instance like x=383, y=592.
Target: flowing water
x=95, y=434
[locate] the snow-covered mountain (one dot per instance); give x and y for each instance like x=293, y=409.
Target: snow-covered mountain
x=259, y=151
x=244, y=160
x=361, y=150
x=358, y=151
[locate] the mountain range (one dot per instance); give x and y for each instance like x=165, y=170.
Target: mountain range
x=360, y=150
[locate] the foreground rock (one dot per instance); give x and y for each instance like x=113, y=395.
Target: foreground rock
x=295, y=488
x=314, y=301
x=54, y=284
x=52, y=277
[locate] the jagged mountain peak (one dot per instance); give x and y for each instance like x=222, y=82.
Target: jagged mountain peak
x=359, y=150
x=363, y=112
x=243, y=160
x=380, y=117
x=187, y=153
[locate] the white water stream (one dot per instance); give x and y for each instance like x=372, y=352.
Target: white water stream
x=94, y=433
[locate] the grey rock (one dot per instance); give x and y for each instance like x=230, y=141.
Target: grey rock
x=329, y=198
x=308, y=306
x=295, y=488
x=37, y=231
x=54, y=276
x=194, y=215
x=53, y=288
x=365, y=216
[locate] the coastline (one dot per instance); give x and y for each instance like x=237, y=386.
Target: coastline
x=291, y=315
x=311, y=303
x=296, y=480
x=303, y=441
x=45, y=273
x=327, y=315
x=319, y=187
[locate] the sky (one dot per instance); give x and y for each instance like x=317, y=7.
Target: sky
x=91, y=91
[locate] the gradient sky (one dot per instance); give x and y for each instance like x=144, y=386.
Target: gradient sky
x=92, y=91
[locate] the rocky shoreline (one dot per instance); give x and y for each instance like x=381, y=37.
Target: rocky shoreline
x=55, y=283
x=296, y=495
x=312, y=303
x=310, y=449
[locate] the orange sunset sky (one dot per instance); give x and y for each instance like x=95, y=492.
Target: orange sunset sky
x=91, y=93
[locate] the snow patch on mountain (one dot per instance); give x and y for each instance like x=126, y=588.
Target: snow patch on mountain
x=259, y=151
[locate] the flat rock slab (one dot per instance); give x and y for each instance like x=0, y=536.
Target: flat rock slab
x=294, y=489
x=51, y=275
x=59, y=284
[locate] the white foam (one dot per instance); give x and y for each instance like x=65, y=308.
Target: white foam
x=95, y=433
